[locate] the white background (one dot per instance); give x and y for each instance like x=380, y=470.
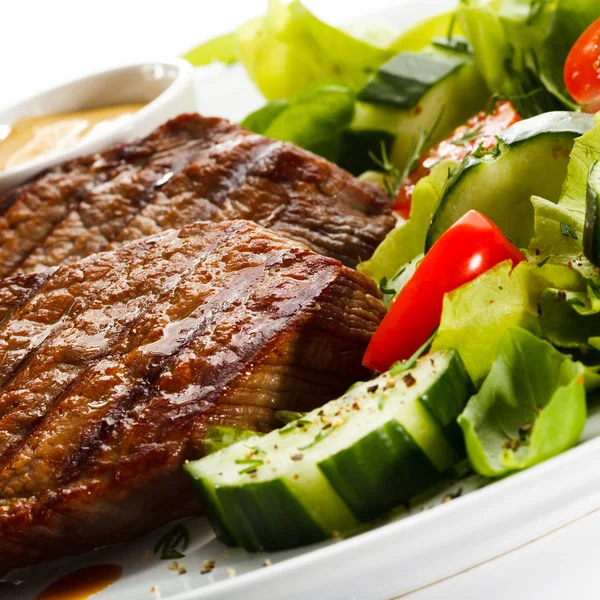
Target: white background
x=45, y=42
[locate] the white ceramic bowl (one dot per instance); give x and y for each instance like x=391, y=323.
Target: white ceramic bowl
x=167, y=88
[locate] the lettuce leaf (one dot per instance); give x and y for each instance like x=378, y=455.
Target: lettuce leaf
x=476, y=315
x=289, y=48
x=313, y=119
x=408, y=240
x=521, y=47
x=532, y=406
x=219, y=49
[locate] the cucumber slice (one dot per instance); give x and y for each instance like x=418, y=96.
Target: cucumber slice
x=531, y=159
x=440, y=86
x=591, y=233
x=353, y=459
x=405, y=78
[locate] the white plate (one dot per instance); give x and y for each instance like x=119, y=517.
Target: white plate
x=389, y=560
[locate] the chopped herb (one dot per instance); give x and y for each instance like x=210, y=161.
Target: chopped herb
x=575, y=302
x=319, y=437
x=253, y=464
x=593, y=286
x=168, y=543
x=480, y=151
x=399, y=367
x=566, y=229
x=287, y=430
x=468, y=136
x=384, y=289
x=287, y=416
x=303, y=422
x=372, y=389
x=543, y=262
x=256, y=449
x=395, y=177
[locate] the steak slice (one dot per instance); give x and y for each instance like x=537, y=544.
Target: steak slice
x=112, y=371
x=191, y=169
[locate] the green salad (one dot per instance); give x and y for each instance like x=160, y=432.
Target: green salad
x=481, y=125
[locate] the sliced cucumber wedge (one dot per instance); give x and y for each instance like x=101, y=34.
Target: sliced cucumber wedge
x=414, y=91
x=353, y=459
x=591, y=232
x=531, y=159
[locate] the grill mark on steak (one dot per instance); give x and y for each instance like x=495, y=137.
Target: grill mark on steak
x=53, y=367
x=110, y=207
x=127, y=192
x=17, y=290
x=103, y=462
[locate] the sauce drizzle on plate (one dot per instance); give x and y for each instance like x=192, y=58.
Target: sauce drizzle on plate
x=82, y=584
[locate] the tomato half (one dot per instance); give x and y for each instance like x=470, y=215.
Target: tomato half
x=470, y=247
x=582, y=68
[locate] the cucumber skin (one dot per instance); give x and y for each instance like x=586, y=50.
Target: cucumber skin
x=564, y=126
x=381, y=471
x=457, y=387
x=384, y=468
x=267, y=516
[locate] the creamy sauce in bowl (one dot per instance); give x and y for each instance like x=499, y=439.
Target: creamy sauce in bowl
x=31, y=137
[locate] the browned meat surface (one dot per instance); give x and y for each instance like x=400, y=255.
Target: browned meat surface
x=15, y=291
x=190, y=169
x=111, y=372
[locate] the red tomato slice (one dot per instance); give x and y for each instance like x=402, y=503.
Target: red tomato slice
x=479, y=129
x=469, y=248
x=582, y=68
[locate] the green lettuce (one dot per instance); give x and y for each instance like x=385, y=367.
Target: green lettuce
x=568, y=313
x=313, y=119
x=521, y=46
x=531, y=406
x=289, y=48
x=476, y=315
x=407, y=241
x=219, y=49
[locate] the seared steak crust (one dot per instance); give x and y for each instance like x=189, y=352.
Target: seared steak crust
x=111, y=372
x=190, y=169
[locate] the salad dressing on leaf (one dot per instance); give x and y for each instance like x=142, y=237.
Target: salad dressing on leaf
x=31, y=137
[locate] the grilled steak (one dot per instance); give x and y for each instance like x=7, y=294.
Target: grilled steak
x=113, y=368
x=190, y=169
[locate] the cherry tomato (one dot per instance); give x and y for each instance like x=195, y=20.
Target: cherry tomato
x=479, y=129
x=582, y=68
x=469, y=248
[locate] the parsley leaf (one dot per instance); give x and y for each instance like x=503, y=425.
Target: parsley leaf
x=566, y=229
x=167, y=544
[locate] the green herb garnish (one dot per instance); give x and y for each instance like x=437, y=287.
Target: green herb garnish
x=575, y=302
x=253, y=464
x=168, y=543
x=319, y=438
x=566, y=229
x=386, y=291
x=543, y=262
x=401, y=366
x=468, y=136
